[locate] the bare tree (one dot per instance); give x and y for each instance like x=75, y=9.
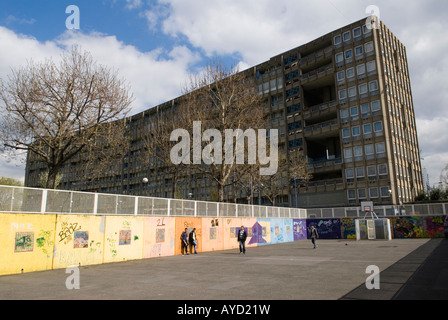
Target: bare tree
x=222, y=99
x=57, y=112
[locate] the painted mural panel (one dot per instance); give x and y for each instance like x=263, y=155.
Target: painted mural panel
x=158, y=236
x=27, y=242
x=299, y=229
x=123, y=239
x=407, y=227
x=189, y=223
x=78, y=240
x=327, y=228
x=348, y=228
x=212, y=234
x=230, y=226
x=256, y=232
x=436, y=227
x=281, y=230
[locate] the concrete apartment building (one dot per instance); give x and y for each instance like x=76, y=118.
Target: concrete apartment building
x=344, y=100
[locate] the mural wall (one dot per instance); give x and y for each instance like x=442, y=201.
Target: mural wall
x=36, y=242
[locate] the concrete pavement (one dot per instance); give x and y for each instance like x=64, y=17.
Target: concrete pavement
x=289, y=271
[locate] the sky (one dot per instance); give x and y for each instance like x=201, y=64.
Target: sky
x=156, y=44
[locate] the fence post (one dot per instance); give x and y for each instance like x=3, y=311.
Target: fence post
x=136, y=206
x=196, y=209
x=43, y=205
x=95, y=203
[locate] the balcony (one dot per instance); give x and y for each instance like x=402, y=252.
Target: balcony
x=321, y=128
x=326, y=53
x=317, y=73
x=320, y=109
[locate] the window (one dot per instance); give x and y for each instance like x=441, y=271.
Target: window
x=385, y=192
x=279, y=83
x=371, y=66
x=356, y=131
x=348, y=54
x=367, y=129
x=360, y=69
x=342, y=94
x=360, y=172
x=346, y=135
x=378, y=128
x=339, y=57
x=266, y=87
x=357, y=153
x=371, y=171
x=346, y=36
x=349, y=174
x=362, y=193
x=380, y=149
x=344, y=115
x=382, y=169
x=351, y=194
x=359, y=51
x=369, y=151
x=375, y=106
x=354, y=113
x=356, y=32
x=373, y=193
x=350, y=73
x=365, y=110
x=368, y=47
x=373, y=86
x=337, y=40
x=341, y=75
x=362, y=90
x=348, y=155
x=352, y=93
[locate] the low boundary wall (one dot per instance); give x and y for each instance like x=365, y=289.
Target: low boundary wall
x=37, y=242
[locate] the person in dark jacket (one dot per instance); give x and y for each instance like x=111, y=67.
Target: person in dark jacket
x=242, y=236
x=314, y=236
x=193, y=241
x=184, y=243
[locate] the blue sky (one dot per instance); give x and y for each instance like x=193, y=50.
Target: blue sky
x=155, y=45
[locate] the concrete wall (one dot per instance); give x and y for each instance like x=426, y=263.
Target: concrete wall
x=37, y=242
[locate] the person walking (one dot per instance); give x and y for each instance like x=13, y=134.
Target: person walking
x=193, y=241
x=184, y=243
x=314, y=236
x=242, y=236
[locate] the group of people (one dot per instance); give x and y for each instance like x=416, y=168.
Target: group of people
x=190, y=240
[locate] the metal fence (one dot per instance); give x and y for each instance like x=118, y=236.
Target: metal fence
x=34, y=200
x=46, y=201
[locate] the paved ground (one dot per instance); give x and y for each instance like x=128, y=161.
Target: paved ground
x=410, y=269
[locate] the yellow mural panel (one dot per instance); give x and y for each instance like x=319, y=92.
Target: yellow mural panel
x=27, y=242
x=79, y=240
x=123, y=238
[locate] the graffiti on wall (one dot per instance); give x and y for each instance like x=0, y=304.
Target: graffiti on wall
x=327, y=228
x=299, y=229
x=81, y=239
x=436, y=227
x=348, y=228
x=407, y=227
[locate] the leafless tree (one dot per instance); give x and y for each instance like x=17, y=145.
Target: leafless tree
x=59, y=111
x=222, y=99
